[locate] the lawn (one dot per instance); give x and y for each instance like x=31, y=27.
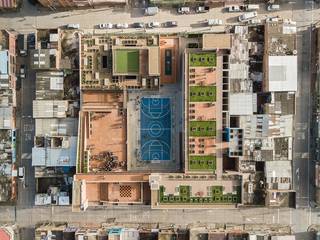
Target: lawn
x=202, y=93
x=202, y=163
x=202, y=128
x=217, y=196
x=206, y=59
x=126, y=61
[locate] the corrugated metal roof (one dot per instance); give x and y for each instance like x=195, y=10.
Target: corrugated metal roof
x=52, y=157
x=4, y=62
x=8, y=3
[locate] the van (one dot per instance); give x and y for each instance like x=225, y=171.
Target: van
x=273, y=7
x=247, y=16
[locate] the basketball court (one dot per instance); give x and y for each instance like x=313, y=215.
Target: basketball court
x=155, y=129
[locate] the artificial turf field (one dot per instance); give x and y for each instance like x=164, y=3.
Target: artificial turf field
x=127, y=61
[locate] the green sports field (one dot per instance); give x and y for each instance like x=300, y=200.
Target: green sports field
x=127, y=61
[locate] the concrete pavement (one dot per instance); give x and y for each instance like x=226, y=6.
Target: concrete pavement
x=29, y=18
x=299, y=219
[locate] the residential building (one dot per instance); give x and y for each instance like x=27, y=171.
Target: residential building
x=80, y=3
x=7, y=116
x=55, y=110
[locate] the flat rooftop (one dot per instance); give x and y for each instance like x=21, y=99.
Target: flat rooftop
x=202, y=114
x=102, y=118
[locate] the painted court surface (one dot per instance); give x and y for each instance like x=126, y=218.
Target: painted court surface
x=155, y=129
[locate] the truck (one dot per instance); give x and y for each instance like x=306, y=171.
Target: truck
x=202, y=9
x=22, y=45
x=247, y=16
x=151, y=11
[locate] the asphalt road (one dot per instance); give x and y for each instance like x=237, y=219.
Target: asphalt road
x=302, y=165
x=26, y=190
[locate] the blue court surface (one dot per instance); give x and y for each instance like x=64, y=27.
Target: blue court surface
x=155, y=127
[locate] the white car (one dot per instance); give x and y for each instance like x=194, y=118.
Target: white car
x=105, y=25
x=272, y=19
x=214, y=22
x=153, y=24
x=273, y=7
x=183, y=10
x=233, y=8
x=73, y=26
x=247, y=16
x=21, y=173
x=255, y=21
x=122, y=25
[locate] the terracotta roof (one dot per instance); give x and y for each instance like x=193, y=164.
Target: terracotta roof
x=4, y=235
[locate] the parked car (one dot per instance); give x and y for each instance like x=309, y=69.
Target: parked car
x=254, y=21
x=171, y=24
x=272, y=19
x=289, y=21
x=21, y=172
x=233, y=8
x=202, y=9
x=150, y=11
x=122, y=25
x=247, y=16
x=31, y=40
x=214, y=22
x=22, y=71
x=153, y=24
x=183, y=10
x=251, y=7
x=73, y=26
x=138, y=25
x=106, y=26
x=273, y=7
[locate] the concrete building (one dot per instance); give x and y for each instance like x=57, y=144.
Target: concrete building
x=55, y=110
x=119, y=62
x=109, y=189
x=280, y=59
